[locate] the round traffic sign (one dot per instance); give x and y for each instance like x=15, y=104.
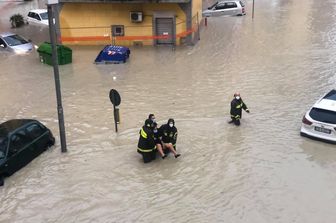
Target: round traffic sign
x=115, y=97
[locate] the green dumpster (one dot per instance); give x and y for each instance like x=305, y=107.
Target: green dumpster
x=64, y=54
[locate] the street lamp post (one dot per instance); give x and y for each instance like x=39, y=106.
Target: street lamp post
x=52, y=33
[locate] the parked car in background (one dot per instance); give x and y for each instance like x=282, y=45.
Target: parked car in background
x=320, y=121
x=38, y=16
x=21, y=140
x=226, y=7
x=14, y=43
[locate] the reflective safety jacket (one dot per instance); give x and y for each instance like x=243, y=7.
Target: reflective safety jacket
x=146, y=142
x=169, y=134
x=236, y=108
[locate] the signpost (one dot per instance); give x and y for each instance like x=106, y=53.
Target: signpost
x=115, y=99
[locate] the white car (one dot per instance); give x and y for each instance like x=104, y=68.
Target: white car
x=14, y=43
x=38, y=16
x=320, y=121
x=226, y=7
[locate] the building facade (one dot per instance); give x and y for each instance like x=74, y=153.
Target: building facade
x=127, y=22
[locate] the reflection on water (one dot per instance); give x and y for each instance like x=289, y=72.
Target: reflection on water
x=263, y=171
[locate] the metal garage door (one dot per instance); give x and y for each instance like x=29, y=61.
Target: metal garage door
x=165, y=27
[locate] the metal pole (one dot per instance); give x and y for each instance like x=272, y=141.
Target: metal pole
x=198, y=28
x=115, y=118
x=253, y=10
x=51, y=19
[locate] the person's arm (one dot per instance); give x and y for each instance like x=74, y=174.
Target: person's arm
x=150, y=136
x=174, y=137
x=161, y=133
x=233, y=104
x=245, y=108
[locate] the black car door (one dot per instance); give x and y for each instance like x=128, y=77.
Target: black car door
x=39, y=137
x=3, y=155
x=3, y=147
x=19, y=152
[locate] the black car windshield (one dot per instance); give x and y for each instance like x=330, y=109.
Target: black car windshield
x=323, y=115
x=44, y=16
x=15, y=40
x=3, y=147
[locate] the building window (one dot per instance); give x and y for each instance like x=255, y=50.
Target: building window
x=118, y=30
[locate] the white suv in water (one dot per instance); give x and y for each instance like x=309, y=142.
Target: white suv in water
x=38, y=16
x=226, y=7
x=320, y=121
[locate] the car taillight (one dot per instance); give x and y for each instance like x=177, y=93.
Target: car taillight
x=306, y=121
x=243, y=10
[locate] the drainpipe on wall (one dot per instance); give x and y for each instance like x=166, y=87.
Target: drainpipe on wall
x=187, y=8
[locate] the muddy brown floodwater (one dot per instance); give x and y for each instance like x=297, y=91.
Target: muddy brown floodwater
x=263, y=171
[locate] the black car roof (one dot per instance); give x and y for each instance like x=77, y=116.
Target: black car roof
x=11, y=125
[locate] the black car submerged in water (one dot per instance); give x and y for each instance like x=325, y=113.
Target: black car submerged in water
x=21, y=140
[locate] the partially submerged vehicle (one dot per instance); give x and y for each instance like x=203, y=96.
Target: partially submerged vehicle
x=15, y=43
x=226, y=8
x=113, y=54
x=38, y=16
x=21, y=140
x=320, y=121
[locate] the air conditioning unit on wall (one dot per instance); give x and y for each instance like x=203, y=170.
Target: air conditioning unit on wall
x=136, y=16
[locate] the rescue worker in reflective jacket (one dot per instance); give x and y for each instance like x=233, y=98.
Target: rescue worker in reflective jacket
x=168, y=133
x=237, y=105
x=146, y=144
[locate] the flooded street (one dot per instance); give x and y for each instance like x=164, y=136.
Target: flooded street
x=263, y=171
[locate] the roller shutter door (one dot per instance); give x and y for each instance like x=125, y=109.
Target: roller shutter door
x=164, y=27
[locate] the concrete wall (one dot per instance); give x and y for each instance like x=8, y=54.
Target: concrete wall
x=90, y=23
x=197, y=8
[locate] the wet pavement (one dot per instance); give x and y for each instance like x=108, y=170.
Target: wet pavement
x=263, y=171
